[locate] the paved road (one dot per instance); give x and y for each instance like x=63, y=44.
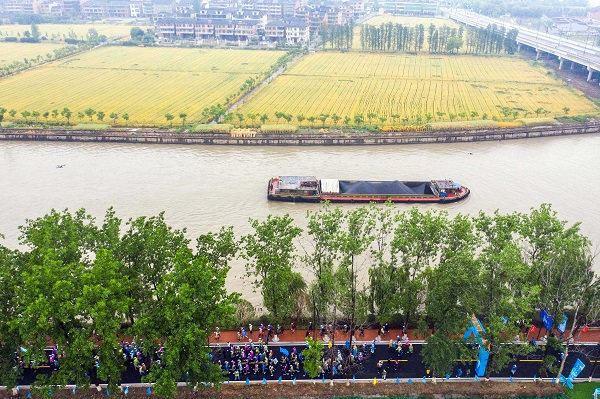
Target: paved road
x=409, y=365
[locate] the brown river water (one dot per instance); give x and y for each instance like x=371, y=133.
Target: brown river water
x=206, y=187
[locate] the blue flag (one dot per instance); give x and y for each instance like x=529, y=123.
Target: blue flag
x=294, y=380
x=534, y=378
x=29, y=394
x=353, y=378
x=74, y=391
x=447, y=376
x=397, y=380
x=126, y=390
x=424, y=380
x=409, y=381
x=323, y=378
x=284, y=351
x=107, y=393
x=554, y=380
x=511, y=379
x=476, y=378
x=247, y=381
x=264, y=381
x=546, y=319
x=279, y=379
x=149, y=391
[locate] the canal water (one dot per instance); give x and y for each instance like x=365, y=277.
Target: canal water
x=206, y=187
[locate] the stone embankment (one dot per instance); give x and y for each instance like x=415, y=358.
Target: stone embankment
x=151, y=136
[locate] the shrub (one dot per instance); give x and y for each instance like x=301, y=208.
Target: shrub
x=214, y=128
x=464, y=125
x=506, y=125
x=537, y=121
x=405, y=128
x=11, y=39
x=279, y=129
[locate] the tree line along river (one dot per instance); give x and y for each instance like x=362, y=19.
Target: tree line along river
x=206, y=187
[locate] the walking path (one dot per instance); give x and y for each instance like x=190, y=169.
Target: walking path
x=590, y=337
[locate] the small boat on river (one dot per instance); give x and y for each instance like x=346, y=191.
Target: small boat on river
x=311, y=189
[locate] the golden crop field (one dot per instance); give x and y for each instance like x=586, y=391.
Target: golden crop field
x=146, y=83
x=407, y=85
x=58, y=31
x=10, y=52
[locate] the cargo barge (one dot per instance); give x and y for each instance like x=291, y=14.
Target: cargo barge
x=311, y=189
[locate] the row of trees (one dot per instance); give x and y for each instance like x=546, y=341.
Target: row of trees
x=86, y=284
x=431, y=269
x=396, y=37
x=66, y=114
x=339, y=37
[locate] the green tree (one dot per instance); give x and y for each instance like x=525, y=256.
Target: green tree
x=25, y=115
x=55, y=114
x=90, y=112
x=240, y=117
x=183, y=117
x=66, y=113
x=300, y=118
x=100, y=116
x=264, y=118
x=46, y=115
x=335, y=118
x=566, y=110
x=80, y=116
x=114, y=116
x=2, y=112
x=323, y=118
x=126, y=118
x=313, y=357
x=312, y=120
x=35, y=115
x=136, y=33
x=270, y=255
x=12, y=113
x=169, y=118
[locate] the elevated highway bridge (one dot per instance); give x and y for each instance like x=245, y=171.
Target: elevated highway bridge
x=572, y=51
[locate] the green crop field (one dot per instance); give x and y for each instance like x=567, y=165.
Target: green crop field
x=410, y=21
x=404, y=85
x=10, y=52
x=146, y=83
x=60, y=31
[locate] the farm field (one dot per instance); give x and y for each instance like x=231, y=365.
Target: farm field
x=59, y=31
x=407, y=85
x=146, y=83
x=410, y=21
x=10, y=52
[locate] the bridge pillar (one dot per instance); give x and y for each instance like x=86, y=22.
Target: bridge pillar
x=537, y=54
x=572, y=65
x=560, y=64
x=590, y=72
x=518, y=46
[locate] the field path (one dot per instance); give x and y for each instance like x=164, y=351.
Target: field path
x=264, y=83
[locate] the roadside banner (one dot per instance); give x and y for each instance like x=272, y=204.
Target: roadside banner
x=562, y=327
x=573, y=374
x=546, y=319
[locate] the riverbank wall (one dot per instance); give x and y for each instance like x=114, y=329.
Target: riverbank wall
x=150, y=136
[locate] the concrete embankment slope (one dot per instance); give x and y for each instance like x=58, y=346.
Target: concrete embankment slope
x=149, y=136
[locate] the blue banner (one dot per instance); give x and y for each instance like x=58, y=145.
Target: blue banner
x=576, y=369
x=562, y=327
x=573, y=374
x=546, y=319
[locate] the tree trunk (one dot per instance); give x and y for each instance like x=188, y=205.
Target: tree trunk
x=568, y=339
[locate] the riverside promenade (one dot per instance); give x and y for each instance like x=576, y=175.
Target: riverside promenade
x=589, y=337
